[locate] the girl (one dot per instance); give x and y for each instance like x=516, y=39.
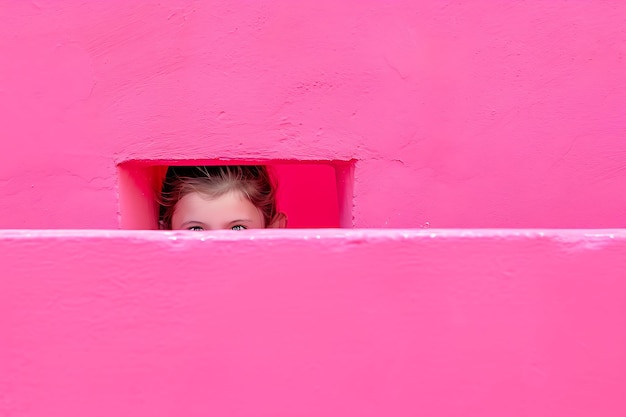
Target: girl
x=219, y=197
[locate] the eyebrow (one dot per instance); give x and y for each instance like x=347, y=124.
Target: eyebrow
x=241, y=221
x=187, y=223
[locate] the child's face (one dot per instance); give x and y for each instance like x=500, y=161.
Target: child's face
x=196, y=211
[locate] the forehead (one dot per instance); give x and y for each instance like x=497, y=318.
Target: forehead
x=200, y=207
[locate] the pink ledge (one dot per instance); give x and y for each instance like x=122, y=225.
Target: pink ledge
x=313, y=322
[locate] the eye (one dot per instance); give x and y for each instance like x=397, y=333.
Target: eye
x=238, y=227
x=195, y=228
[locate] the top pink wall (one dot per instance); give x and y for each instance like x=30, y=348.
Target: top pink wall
x=460, y=114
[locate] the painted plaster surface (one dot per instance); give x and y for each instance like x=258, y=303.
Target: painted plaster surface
x=312, y=323
x=460, y=114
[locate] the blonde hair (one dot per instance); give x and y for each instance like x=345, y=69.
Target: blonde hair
x=253, y=181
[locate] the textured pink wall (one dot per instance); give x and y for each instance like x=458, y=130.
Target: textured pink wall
x=474, y=114
x=335, y=323
x=460, y=114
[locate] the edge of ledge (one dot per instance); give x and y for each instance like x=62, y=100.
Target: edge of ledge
x=566, y=235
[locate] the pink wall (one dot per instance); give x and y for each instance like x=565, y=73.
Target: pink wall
x=460, y=114
x=403, y=114
x=334, y=323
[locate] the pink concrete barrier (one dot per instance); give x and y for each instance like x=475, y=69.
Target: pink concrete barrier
x=313, y=323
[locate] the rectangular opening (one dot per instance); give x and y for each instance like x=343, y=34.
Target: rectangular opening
x=313, y=194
